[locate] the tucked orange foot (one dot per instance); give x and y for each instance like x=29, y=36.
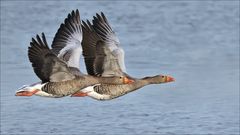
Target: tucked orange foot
x=26, y=93
x=79, y=94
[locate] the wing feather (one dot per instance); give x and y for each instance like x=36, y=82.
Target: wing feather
x=109, y=55
x=67, y=41
x=46, y=65
x=89, y=42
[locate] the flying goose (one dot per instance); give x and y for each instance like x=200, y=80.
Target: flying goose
x=58, y=68
x=104, y=57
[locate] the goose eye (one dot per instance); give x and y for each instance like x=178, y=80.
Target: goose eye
x=162, y=76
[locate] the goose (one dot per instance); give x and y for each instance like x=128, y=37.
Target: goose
x=104, y=56
x=57, y=68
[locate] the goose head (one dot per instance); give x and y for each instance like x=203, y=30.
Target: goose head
x=159, y=79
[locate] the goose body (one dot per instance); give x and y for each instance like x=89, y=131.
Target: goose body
x=111, y=91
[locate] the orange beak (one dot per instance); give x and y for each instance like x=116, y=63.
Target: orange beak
x=169, y=79
x=127, y=80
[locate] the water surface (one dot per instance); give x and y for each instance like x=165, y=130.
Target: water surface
x=196, y=42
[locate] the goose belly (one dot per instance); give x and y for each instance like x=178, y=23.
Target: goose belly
x=98, y=96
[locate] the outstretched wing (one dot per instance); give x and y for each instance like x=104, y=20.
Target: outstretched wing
x=109, y=55
x=89, y=42
x=46, y=65
x=67, y=41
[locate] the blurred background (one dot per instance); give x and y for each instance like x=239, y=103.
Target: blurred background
x=196, y=42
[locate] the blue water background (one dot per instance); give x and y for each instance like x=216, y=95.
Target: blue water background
x=196, y=42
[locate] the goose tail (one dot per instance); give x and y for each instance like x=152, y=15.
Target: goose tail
x=33, y=89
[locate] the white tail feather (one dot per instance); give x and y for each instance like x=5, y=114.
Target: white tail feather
x=33, y=87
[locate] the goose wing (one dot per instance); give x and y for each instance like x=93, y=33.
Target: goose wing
x=109, y=55
x=90, y=39
x=67, y=41
x=46, y=65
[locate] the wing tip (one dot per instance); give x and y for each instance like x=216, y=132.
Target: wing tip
x=67, y=30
